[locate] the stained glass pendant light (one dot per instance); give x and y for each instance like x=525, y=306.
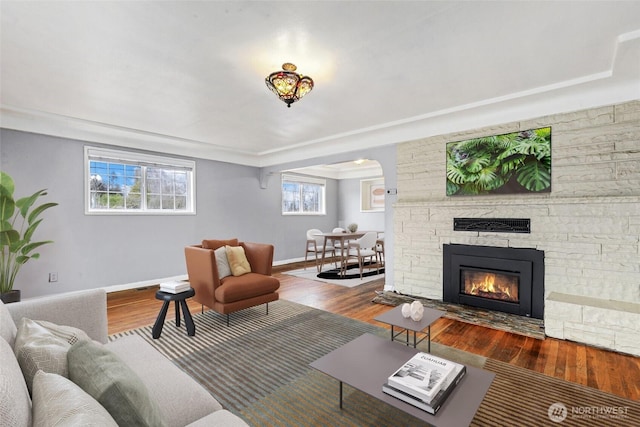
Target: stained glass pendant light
x=289, y=85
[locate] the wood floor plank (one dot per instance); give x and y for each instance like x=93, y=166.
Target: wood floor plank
x=605, y=370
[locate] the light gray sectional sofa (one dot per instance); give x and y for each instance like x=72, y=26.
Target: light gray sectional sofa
x=180, y=400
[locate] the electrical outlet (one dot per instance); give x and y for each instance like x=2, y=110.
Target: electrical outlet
x=53, y=277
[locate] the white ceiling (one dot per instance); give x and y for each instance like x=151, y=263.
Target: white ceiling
x=187, y=77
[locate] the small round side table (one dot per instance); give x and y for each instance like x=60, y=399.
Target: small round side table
x=180, y=299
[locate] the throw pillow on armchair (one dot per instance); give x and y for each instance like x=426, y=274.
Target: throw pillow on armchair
x=238, y=260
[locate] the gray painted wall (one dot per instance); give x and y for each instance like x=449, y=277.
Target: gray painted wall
x=92, y=251
x=349, y=208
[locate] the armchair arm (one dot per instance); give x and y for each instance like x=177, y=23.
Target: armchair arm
x=86, y=310
x=260, y=257
x=203, y=273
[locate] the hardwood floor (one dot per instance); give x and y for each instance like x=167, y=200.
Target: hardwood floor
x=608, y=371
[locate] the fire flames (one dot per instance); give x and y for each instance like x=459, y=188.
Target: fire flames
x=489, y=286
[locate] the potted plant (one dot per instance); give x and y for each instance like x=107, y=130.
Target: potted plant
x=352, y=227
x=18, y=222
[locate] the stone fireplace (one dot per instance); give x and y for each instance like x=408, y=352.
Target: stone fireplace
x=588, y=227
x=510, y=280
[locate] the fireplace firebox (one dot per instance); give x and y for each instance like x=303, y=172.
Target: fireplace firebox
x=503, y=279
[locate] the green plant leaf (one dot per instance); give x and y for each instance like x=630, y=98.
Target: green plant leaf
x=456, y=175
x=25, y=203
x=31, y=246
x=6, y=183
x=452, y=188
x=8, y=236
x=28, y=233
x=534, y=176
x=21, y=259
x=37, y=211
x=479, y=163
x=7, y=205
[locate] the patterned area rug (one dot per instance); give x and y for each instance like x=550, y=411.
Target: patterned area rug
x=258, y=368
x=331, y=276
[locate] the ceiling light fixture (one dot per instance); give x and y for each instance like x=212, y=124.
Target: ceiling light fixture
x=289, y=85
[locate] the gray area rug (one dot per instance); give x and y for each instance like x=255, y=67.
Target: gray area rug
x=258, y=368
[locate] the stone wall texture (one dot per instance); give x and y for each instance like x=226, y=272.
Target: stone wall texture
x=588, y=225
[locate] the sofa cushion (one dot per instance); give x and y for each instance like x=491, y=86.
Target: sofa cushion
x=222, y=262
x=59, y=402
x=215, y=244
x=44, y=345
x=111, y=382
x=15, y=404
x=8, y=328
x=249, y=285
x=238, y=260
x=161, y=376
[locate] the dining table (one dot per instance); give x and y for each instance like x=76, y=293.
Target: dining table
x=339, y=237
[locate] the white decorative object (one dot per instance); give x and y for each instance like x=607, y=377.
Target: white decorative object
x=406, y=310
x=417, y=310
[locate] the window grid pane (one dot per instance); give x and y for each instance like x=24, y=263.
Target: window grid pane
x=120, y=186
x=302, y=198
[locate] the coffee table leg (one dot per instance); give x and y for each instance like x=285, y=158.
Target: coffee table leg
x=429, y=340
x=340, y=394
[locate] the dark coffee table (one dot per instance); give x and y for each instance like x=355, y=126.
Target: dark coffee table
x=395, y=318
x=366, y=362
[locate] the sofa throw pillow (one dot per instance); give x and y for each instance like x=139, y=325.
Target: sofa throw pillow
x=59, y=402
x=104, y=376
x=7, y=326
x=15, y=404
x=222, y=262
x=238, y=260
x=215, y=244
x=43, y=345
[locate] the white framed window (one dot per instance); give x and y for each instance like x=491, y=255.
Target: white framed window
x=303, y=195
x=124, y=182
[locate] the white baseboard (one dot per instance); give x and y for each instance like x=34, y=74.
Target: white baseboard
x=143, y=284
x=289, y=261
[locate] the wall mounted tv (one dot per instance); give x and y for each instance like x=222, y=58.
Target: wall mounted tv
x=518, y=162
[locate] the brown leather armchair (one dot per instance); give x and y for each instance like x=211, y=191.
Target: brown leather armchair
x=231, y=293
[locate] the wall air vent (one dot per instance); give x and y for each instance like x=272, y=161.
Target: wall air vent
x=496, y=225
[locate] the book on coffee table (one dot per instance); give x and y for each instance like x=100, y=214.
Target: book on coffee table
x=422, y=376
x=434, y=405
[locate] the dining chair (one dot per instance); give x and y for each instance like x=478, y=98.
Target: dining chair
x=339, y=244
x=380, y=250
x=361, y=249
x=315, y=245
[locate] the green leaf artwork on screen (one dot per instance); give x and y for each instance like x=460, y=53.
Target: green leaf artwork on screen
x=518, y=162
